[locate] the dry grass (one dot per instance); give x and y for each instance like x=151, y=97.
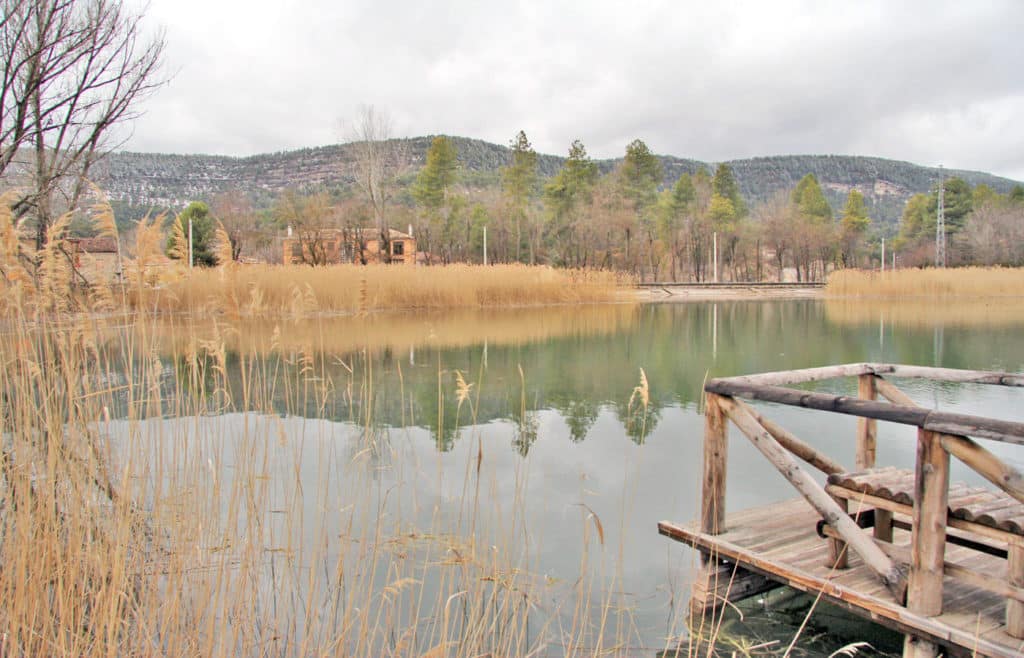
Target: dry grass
x=199, y=521
x=276, y=290
x=178, y=530
x=931, y=283
x=155, y=501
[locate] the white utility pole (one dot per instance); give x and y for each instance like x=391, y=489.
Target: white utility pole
x=940, y=224
x=485, y=245
x=714, y=240
x=190, y=244
x=883, y=254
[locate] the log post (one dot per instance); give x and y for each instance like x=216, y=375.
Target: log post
x=889, y=573
x=928, y=535
x=1015, y=574
x=883, y=525
x=712, y=512
x=867, y=428
x=837, y=551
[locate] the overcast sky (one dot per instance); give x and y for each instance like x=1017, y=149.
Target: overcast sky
x=930, y=82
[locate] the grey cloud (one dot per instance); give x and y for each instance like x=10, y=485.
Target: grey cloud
x=920, y=81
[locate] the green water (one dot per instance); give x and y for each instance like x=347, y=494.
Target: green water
x=563, y=436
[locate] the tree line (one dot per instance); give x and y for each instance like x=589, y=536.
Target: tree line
x=627, y=219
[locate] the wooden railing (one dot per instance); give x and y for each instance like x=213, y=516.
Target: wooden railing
x=940, y=434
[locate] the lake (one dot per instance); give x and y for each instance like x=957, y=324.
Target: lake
x=420, y=476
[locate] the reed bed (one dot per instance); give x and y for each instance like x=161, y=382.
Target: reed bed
x=157, y=502
x=933, y=283
x=275, y=290
x=156, y=498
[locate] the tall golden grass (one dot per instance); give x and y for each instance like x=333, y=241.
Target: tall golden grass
x=154, y=503
x=179, y=530
x=200, y=522
x=275, y=290
x=931, y=283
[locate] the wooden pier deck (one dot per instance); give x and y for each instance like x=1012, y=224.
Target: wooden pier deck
x=939, y=561
x=780, y=541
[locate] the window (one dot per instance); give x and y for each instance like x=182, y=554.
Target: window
x=398, y=248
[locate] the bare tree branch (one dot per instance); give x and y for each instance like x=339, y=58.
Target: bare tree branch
x=72, y=71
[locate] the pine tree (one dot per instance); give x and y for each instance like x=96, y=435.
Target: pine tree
x=203, y=227
x=432, y=192
x=855, y=222
x=811, y=201
x=569, y=189
x=519, y=184
x=438, y=174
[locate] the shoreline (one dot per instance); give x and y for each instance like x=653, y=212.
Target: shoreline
x=695, y=292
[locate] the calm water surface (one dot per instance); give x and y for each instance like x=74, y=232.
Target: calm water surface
x=556, y=416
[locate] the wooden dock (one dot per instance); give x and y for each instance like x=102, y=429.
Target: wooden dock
x=941, y=562
x=780, y=542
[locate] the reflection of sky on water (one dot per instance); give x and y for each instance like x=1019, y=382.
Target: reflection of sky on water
x=579, y=443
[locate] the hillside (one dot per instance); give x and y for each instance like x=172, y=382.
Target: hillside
x=139, y=181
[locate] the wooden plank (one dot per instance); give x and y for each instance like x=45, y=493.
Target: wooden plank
x=867, y=428
x=928, y=535
x=968, y=574
x=716, y=446
x=891, y=575
x=878, y=609
x=968, y=527
x=936, y=421
x=719, y=584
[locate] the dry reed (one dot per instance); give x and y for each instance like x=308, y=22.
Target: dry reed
x=153, y=500
x=276, y=290
x=931, y=283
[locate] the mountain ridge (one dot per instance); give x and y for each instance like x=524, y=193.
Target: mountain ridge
x=170, y=180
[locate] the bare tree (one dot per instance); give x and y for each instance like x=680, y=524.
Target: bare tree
x=379, y=161
x=236, y=214
x=314, y=220
x=994, y=234
x=72, y=71
x=778, y=218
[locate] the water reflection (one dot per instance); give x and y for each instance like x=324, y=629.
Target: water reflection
x=545, y=404
x=577, y=362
